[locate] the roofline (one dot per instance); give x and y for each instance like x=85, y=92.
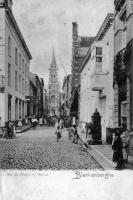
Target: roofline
x=105, y=26
x=103, y=29
x=10, y=14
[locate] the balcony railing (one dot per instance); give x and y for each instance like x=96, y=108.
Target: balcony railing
x=120, y=61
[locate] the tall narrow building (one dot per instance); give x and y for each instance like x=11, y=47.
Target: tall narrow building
x=54, y=88
x=14, y=67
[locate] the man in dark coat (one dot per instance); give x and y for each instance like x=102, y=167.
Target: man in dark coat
x=117, y=148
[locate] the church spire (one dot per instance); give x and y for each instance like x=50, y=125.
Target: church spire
x=53, y=61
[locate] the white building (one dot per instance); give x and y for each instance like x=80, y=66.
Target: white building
x=14, y=67
x=97, y=78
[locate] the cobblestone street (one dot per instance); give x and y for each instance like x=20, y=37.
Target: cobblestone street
x=38, y=149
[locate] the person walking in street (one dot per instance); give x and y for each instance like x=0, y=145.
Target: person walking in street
x=125, y=142
x=34, y=122
x=61, y=124
x=58, y=133
x=117, y=148
x=56, y=123
x=41, y=121
x=75, y=135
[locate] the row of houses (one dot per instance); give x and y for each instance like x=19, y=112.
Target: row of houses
x=21, y=92
x=102, y=71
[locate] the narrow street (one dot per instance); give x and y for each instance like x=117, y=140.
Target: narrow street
x=38, y=149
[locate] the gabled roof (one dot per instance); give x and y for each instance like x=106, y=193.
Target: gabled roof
x=101, y=33
x=15, y=25
x=105, y=26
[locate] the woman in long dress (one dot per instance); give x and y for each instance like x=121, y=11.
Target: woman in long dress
x=125, y=142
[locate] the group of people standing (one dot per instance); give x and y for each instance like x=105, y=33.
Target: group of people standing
x=120, y=146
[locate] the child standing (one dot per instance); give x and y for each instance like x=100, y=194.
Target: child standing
x=117, y=148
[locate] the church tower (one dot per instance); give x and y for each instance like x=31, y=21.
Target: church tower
x=54, y=88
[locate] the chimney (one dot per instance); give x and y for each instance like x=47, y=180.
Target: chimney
x=7, y=4
x=75, y=29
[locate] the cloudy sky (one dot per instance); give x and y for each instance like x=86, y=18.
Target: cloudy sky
x=47, y=23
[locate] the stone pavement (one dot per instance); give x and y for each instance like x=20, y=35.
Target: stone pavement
x=103, y=154
x=38, y=149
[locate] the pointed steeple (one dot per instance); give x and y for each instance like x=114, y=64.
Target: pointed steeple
x=53, y=61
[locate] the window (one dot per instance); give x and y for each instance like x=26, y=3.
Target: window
x=9, y=74
x=23, y=86
x=23, y=65
x=19, y=109
x=20, y=61
x=9, y=46
x=25, y=70
x=99, y=54
x=16, y=56
x=99, y=59
x=98, y=51
x=19, y=83
x=16, y=80
x=28, y=71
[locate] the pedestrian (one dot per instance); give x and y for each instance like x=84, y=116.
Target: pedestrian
x=34, y=122
x=117, y=148
x=56, y=123
x=89, y=133
x=70, y=133
x=75, y=135
x=58, y=133
x=11, y=129
x=14, y=130
x=20, y=123
x=26, y=120
x=125, y=142
x=61, y=124
x=40, y=121
x=7, y=130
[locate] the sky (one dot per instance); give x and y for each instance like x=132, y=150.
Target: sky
x=48, y=23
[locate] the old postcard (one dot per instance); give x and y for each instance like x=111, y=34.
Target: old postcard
x=66, y=99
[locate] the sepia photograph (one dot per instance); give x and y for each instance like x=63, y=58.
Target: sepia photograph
x=66, y=96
